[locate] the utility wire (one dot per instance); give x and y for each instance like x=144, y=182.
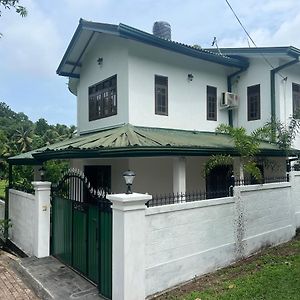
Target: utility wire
x=249, y=36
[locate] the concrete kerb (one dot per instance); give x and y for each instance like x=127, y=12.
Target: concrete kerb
x=30, y=281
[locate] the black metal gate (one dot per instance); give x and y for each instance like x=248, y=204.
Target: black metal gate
x=81, y=234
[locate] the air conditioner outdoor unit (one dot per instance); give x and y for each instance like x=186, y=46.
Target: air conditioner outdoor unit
x=229, y=100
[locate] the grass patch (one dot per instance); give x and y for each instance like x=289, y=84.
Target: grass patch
x=3, y=184
x=272, y=274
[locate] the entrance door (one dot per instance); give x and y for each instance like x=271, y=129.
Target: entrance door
x=218, y=182
x=99, y=177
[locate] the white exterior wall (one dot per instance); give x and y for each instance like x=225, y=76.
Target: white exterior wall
x=118, y=166
x=284, y=102
x=21, y=213
x=186, y=99
x=154, y=175
x=115, y=61
x=258, y=72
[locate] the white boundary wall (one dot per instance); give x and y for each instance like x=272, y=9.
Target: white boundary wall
x=191, y=239
x=30, y=219
x=187, y=239
x=21, y=214
x=2, y=209
x=295, y=182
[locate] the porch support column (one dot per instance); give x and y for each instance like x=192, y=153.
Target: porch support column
x=128, y=253
x=41, y=231
x=238, y=170
x=179, y=175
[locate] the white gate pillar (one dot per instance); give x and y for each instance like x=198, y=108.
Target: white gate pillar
x=41, y=246
x=128, y=250
x=179, y=175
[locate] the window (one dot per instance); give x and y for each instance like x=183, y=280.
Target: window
x=211, y=103
x=253, y=95
x=296, y=100
x=103, y=99
x=161, y=95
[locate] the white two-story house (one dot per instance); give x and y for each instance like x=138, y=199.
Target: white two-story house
x=150, y=104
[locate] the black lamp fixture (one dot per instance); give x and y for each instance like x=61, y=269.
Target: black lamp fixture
x=42, y=171
x=129, y=177
x=100, y=61
x=190, y=77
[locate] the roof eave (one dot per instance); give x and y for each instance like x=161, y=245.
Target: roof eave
x=128, y=32
x=284, y=50
x=135, y=151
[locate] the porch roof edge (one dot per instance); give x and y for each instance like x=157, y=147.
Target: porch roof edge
x=147, y=151
x=133, y=141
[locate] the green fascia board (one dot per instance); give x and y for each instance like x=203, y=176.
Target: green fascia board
x=128, y=32
x=146, y=152
x=284, y=50
x=134, y=141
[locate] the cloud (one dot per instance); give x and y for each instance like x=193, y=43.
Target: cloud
x=276, y=25
x=32, y=44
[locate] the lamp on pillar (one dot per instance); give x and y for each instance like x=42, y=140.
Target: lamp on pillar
x=42, y=171
x=129, y=177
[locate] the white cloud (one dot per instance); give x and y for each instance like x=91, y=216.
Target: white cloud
x=32, y=44
x=268, y=31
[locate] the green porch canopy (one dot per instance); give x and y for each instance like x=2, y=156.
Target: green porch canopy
x=133, y=141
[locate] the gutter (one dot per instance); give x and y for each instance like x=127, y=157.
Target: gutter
x=229, y=89
x=272, y=73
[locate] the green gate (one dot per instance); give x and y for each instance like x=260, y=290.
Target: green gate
x=82, y=229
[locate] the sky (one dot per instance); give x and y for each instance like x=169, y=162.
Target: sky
x=32, y=47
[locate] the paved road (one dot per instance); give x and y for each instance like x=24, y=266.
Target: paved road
x=11, y=285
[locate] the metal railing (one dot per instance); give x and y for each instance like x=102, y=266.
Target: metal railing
x=251, y=181
x=175, y=198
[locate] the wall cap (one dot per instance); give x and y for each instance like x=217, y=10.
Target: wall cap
x=126, y=202
x=41, y=185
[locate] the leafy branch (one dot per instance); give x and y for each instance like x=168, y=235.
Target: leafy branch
x=8, y=4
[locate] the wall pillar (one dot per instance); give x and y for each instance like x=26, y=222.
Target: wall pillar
x=41, y=246
x=294, y=178
x=128, y=253
x=179, y=175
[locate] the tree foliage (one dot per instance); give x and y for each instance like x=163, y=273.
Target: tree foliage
x=9, y=4
x=247, y=145
x=18, y=134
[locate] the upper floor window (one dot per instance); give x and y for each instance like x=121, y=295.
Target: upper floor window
x=103, y=99
x=253, y=96
x=296, y=100
x=211, y=103
x=161, y=95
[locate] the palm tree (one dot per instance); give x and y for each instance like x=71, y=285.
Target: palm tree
x=51, y=136
x=23, y=137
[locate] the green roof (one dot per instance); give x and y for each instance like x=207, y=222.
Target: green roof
x=131, y=141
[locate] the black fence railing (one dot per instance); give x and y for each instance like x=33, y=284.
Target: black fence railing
x=251, y=181
x=175, y=198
